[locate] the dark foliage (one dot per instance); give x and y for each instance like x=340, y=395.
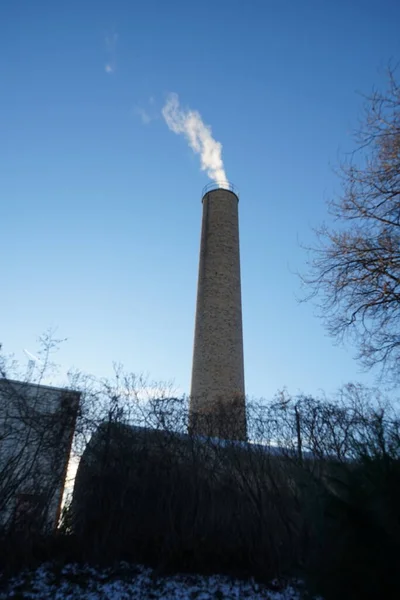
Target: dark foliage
x=318, y=496
x=178, y=504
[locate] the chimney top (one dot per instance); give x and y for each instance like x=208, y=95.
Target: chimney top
x=220, y=185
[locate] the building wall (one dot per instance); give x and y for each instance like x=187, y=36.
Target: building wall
x=36, y=428
x=218, y=371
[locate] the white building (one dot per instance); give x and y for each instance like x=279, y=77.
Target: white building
x=37, y=424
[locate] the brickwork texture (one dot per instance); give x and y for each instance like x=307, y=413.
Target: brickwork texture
x=217, y=393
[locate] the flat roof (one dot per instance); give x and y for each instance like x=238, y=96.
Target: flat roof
x=38, y=385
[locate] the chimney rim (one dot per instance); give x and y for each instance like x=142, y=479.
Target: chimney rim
x=213, y=186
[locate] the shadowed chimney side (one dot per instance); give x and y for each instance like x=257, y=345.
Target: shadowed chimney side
x=217, y=404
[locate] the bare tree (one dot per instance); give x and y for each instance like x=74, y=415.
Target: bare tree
x=36, y=427
x=355, y=268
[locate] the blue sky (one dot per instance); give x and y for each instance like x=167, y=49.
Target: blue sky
x=100, y=201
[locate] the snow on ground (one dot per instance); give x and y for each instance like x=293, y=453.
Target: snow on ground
x=129, y=582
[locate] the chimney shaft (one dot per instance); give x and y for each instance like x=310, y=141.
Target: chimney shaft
x=217, y=405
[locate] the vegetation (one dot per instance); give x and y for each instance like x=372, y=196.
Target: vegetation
x=355, y=269
x=36, y=428
x=315, y=494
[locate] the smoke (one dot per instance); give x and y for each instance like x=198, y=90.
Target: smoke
x=190, y=124
x=111, y=48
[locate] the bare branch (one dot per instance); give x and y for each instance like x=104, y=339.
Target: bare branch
x=354, y=270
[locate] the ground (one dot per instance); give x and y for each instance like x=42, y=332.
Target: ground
x=135, y=582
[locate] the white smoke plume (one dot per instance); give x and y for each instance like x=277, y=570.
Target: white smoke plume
x=190, y=124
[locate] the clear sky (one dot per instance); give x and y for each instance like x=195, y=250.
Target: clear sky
x=100, y=202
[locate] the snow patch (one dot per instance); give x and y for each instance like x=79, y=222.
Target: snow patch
x=135, y=582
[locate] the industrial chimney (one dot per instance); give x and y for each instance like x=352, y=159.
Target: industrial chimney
x=217, y=404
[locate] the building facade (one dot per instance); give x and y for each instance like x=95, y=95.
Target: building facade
x=37, y=424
